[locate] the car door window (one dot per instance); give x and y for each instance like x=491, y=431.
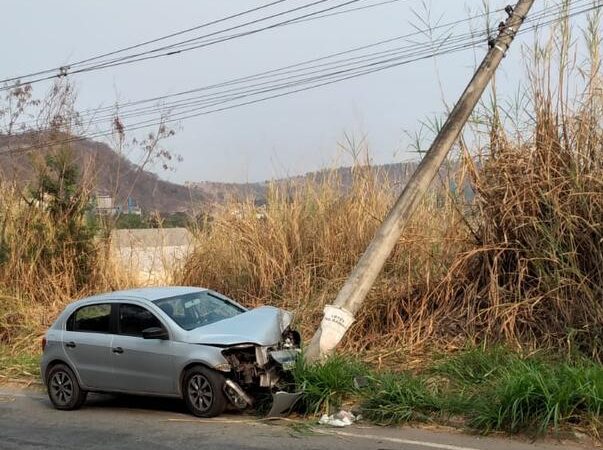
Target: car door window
x=133, y=319
x=91, y=319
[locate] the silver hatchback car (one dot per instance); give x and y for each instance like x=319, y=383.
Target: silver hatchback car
x=184, y=342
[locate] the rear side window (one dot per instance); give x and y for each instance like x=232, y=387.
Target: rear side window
x=133, y=319
x=91, y=319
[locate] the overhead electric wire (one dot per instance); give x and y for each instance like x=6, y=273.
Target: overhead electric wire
x=252, y=89
x=399, y=51
x=195, y=113
x=297, y=66
x=176, y=48
x=314, y=16
x=144, y=56
x=317, y=70
x=344, y=75
x=367, y=69
x=391, y=52
x=152, y=41
x=231, y=95
x=358, y=8
x=56, y=70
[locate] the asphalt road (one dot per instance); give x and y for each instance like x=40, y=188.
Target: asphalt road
x=27, y=421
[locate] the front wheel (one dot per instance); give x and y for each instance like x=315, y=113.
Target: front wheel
x=203, y=391
x=63, y=388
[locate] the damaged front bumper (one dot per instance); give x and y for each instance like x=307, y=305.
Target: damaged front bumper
x=258, y=370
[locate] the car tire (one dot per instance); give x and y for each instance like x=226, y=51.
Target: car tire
x=203, y=391
x=63, y=388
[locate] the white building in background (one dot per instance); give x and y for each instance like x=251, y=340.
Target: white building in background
x=150, y=256
x=105, y=205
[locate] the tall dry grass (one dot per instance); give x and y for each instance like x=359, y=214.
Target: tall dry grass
x=536, y=275
x=297, y=252
x=43, y=267
x=529, y=273
x=522, y=264
x=52, y=250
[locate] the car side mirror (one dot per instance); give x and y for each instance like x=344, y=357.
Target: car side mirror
x=154, y=333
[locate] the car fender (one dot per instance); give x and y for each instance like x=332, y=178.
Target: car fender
x=187, y=355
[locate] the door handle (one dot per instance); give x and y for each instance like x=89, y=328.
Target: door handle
x=70, y=344
x=117, y=350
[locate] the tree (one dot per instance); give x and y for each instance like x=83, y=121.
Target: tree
x=61, y=192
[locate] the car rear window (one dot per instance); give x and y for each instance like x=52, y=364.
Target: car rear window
x=91, y=319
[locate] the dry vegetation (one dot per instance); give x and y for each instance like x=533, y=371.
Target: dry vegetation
x=521, y=263
x=49, y=255
x=298, y=251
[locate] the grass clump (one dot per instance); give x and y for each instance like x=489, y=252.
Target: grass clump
x=397, y=398
x=483, y=389
x=328, y=384
x=534, y=396
x=497, y=389
x=474, y=366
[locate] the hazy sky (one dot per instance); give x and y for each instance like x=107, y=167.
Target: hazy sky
x=286, y=136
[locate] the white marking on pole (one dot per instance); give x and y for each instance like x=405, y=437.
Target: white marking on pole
x=397, y=440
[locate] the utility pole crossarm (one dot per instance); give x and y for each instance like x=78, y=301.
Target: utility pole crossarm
x=340, y=315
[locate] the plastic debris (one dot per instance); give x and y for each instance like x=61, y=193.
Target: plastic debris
x=283, y=402
x=339, y=420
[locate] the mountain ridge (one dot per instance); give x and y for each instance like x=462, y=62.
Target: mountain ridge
x=114, y=174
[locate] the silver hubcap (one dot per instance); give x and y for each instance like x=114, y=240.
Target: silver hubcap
x=200, y=393
x=61, y=388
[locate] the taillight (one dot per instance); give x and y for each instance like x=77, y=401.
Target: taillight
x=43, y=343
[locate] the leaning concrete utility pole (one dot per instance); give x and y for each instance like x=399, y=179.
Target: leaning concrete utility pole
x=340, y=315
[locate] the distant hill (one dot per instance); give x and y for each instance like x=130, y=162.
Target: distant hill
x=111, y=172
x=114, y=174
x=396, y=174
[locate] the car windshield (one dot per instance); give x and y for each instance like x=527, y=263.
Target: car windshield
x=196, y=310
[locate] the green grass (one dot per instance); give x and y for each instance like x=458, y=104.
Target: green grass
x=533, y=396
x=20, y=366
x=474, y=366
x=396, y=398
x=328, y=384
x=488, y=390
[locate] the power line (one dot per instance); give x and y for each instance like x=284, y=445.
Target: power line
x=369, y=68
x=359, y=8
x=398, y=53
x=152, y=41
x=314, y=83
x=176, y=48
x=390, y=53
x=227, y=96
x=300, y=66
x=312, y=71
x=169, y=50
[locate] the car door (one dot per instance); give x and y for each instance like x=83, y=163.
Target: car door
x=87, y=344
x=141, y=365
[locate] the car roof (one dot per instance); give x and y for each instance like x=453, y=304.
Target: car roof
x=149, y=293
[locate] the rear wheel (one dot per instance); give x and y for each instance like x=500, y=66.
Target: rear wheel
x=63, y=388
x=203, y=391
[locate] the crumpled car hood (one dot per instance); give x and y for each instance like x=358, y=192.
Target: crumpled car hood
x=261, y=326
